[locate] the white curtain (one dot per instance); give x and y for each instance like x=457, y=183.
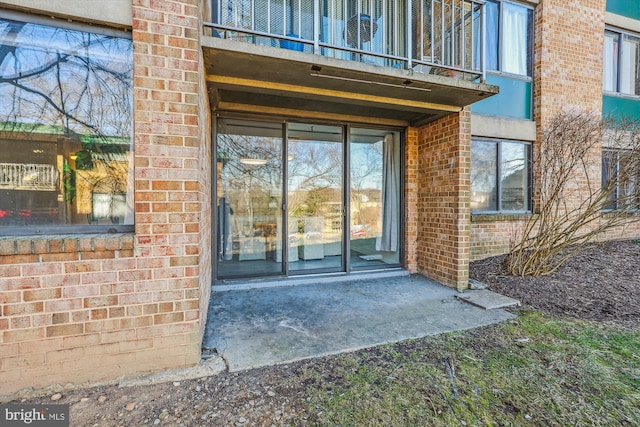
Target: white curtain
x=629, y=65
x=390, y=194
x=610, y=62
x=514, y=39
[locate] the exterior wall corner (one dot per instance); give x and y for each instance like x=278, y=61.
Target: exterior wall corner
x=443, y=231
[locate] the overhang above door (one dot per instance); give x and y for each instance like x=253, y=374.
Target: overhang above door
x=269, y=80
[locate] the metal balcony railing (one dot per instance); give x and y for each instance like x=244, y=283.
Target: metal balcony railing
x=22, y=176
x=426, y=36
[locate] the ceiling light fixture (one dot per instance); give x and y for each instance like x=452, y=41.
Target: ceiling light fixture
x=253, y=162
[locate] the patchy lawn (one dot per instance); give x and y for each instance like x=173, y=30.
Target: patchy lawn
x=537, y=370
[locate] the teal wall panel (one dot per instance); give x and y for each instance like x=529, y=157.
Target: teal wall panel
x=628, y=8
x=514, y=99
x=621, y=107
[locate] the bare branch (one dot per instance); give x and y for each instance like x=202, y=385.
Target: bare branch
x=581, y=193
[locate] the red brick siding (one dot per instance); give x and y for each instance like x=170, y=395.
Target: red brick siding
x=89, y=308
x=411, y=201
x=444, y=161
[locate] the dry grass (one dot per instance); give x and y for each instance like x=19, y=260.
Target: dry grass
x=534, y=371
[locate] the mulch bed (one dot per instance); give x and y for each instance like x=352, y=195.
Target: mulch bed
x=601, y=283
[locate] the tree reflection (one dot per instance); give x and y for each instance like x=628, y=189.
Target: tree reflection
x=74, y=89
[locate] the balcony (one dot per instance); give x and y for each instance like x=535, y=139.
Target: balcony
x=411, y=61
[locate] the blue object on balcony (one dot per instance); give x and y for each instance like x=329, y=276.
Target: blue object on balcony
x=288, y=44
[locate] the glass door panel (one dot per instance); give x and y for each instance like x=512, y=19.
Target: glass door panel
x=374, y=202
x=315, y=198
x=249, y=198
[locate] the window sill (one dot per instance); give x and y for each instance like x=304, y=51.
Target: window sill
x=25, y=249
x=497, y=216
x=611, y=213
x=629, y=96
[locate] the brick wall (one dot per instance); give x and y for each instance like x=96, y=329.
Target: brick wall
x=205, y=180
x=443, y=199
x=88, y=308
x=411, y=201
x=569, y=66
x=493, y=234
x=569, y=38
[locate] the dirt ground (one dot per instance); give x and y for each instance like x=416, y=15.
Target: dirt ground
x=600, y=284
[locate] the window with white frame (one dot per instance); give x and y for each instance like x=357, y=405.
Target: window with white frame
x=66, y=127
x=509, y=37
x=500, y=176
x=621, y=63
x=623, y=176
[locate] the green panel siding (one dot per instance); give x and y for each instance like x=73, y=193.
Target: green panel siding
x=621, y=107
x=628, y=8
x=514, y=99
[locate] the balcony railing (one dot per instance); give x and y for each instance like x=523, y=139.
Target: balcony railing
x=21, y=176
x=426, y=36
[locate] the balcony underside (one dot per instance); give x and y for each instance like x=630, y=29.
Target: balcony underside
x=243, y=77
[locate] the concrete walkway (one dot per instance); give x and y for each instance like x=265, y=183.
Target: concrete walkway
x=270, y=325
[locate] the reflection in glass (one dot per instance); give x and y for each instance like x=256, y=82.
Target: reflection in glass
x=65, y=126
x=617, y=166
x=484, y=171
x=609, y=171
x=315, y=196
x=254, y=238
x=374, y=197
x=492, y=35
x=513, y=185
x=249, y=196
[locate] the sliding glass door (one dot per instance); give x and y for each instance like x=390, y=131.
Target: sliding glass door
x=374, y=198
x=249, y=198
x=297, y=198
x=315, y=197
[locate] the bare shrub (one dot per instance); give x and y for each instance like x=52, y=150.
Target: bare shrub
x=587, y=182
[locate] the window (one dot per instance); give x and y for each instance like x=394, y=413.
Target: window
x=625, y=194
x=65, y=128
x=621, y=63
x=500, y=176
x=509, y=60
x=509, y=41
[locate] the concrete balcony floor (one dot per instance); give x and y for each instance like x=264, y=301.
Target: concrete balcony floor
x=247, y=78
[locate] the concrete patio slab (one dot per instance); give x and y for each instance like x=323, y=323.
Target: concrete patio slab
x=258, y=327
x=487, y=299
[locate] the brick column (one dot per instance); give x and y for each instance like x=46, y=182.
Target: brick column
x=569, y=38
x=411, y=201
x=444, y=162
x=167, y=138
x=569, y=42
